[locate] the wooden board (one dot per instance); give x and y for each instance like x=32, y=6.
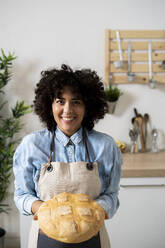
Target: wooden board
x=139, y=55
x=139, y=45
x=138, y=68
x=139, y=34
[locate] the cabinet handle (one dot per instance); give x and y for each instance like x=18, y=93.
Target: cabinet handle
x=141, y=185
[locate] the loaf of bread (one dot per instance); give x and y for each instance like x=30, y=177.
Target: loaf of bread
x=71, y=218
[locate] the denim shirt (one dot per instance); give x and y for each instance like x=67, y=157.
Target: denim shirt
x=34, y=150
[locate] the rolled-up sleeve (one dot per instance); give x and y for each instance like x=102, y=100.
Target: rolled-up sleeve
x=23, y=168
x=112, y=161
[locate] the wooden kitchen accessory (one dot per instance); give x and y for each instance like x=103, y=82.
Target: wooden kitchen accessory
x=140, y=122
x=140, y=40
x=146, y=121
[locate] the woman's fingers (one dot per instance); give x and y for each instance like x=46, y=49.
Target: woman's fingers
x=106, y=216
x=35, y=207
x=35, y=216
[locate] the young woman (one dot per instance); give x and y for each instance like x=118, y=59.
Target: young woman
x=69, y=103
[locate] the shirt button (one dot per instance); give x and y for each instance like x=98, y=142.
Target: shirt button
x=70, y=143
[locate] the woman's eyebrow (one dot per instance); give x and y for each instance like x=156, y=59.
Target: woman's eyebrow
x=75, y=98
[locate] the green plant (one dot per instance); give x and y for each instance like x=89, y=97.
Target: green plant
x=113, y=93
x=9, y=126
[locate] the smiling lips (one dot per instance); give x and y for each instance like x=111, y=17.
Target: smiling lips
x=67, y=118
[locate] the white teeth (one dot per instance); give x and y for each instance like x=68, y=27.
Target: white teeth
x=67, y=119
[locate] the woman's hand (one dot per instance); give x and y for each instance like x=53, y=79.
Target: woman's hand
x=35, y=208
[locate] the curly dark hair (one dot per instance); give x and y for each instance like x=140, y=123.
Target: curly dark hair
x=85, y=83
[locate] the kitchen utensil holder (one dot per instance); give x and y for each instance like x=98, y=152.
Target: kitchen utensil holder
x=139, y=56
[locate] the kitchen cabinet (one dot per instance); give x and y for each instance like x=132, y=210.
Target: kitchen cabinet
x=140, y=220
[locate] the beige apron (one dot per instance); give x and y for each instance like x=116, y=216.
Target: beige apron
x=72, y=177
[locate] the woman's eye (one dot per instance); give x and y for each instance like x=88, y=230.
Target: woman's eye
x=60, y=101
x=76, y=102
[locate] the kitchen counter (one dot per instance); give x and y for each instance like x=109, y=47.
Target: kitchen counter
x=144, y=164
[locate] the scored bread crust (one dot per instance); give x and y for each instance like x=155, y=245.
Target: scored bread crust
x=71, y=218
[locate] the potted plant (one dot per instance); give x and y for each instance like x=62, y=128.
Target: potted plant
x=9, y=126
x=112, y=93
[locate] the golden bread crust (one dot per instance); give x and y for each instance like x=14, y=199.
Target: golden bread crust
x=71, y=218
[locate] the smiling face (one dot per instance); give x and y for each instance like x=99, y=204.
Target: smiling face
x=68, y=111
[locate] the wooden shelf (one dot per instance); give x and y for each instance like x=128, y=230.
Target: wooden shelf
x=139, y=56
x=144, y=164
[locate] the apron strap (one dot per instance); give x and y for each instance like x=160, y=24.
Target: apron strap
x=89, y=165
x=52, y=144
x=85, y=143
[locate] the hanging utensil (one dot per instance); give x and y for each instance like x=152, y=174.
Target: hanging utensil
x=131, y=75
x=152, y=82
x=110, y=80
x=119, y=64
x=163, y=64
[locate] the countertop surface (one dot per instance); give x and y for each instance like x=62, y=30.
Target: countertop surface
x=144, y=164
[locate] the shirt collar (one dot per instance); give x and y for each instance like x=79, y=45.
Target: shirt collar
x=63, y=139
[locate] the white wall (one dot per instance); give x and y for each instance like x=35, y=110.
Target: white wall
x=47, y=33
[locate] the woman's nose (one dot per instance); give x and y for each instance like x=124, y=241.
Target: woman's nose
x=67, y=108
